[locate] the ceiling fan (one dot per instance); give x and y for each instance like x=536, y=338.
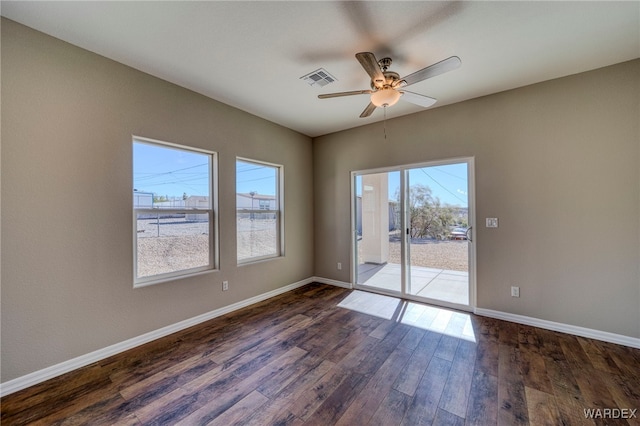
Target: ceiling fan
x=387, y=87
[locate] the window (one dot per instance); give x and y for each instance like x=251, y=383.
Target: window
x=258, y=210
x=173, y=209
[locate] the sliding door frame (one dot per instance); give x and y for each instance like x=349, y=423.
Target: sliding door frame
x=470, y=161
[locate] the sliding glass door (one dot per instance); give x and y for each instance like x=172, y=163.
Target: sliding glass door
x=413, y=232
x=378, y=231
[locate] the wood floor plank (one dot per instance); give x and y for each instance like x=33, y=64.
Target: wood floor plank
x=455, y=395
x=622, y=392
x=323, y=355
x=151, y=410
x=600, y=360
x=482, y=408
x=37, y=394
x=528, y=338
x=512, y=408
x=391, y=409
x=169, y=378
x=104, y=411
x=424, y=405
x=550, y=348
x=487, y=356
x=533, y=370
x=412, y=338
x=289, y=374
x=447, y=347
x=508, y=334
x=542, y=407
x=569, y=400
x=309, y=400
x=445, y=418
x=279, y=409
x=237, y=414
x=81, y=390
x=334, y=406
x=592, y=389
x=214, y=406
x=356, y=338
x=366, y=403
x=236, y=347
x=410, y=377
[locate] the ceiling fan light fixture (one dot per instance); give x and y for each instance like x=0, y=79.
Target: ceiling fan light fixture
x=385, y=97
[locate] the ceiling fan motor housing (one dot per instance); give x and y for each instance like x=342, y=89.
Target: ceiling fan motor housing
x=391, y=78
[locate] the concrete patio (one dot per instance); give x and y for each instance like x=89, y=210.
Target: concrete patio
x=433, y=283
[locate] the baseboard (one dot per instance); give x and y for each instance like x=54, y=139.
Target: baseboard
x=73, y=364
x=333, y=282
x=605, y=336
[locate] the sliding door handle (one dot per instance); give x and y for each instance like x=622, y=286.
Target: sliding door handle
x=469, y=234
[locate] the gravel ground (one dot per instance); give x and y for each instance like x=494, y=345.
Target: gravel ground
x=167, y=254
x=177, y=244
x=452, y=255
x=171, y=244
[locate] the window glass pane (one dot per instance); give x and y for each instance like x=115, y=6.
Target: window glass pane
x=170, y=178
x=257, y=235
x=257, y=210
x=173, y=210
x=171, y=242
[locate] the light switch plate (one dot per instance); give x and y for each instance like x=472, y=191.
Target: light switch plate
x=492, y=222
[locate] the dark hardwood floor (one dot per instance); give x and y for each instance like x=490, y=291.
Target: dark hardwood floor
x=322, y=355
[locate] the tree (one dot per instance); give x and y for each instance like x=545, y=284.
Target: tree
x=428, y=218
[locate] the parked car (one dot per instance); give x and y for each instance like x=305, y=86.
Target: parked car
x=458, y=234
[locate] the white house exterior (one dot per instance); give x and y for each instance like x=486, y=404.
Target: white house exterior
x=245, y=201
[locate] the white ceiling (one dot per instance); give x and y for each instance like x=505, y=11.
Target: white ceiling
x=251, y=55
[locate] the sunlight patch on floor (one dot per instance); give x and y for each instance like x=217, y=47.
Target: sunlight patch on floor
x=440, y=320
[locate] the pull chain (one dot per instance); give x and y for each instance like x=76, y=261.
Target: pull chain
x=385, y=122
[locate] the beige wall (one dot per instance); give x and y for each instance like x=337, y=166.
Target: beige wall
x=67, y=120
x=556, y=162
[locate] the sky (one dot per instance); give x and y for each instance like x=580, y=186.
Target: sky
x=171, y=172
x=255, y=177
x=447, y=182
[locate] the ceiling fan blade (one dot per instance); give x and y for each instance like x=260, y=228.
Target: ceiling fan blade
x=368, y=110
x=417, y=99
x=441, y=67
x=370, y=64
x=338, y=94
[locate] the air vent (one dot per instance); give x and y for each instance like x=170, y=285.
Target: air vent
x=319, y=77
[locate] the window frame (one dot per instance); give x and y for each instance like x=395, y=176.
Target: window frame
x=210, y=211
x=279, y=212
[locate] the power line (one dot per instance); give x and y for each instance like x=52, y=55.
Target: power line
x=171, y=172
x=443, y=187
x=251, y=180
x=450, y=174
x=250, y=169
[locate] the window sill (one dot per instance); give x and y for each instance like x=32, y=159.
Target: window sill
x=174, y=278
x=259, y=260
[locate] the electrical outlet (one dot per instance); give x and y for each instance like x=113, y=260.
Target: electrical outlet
x=225, y=285
x=339, y=266
x=515, y=291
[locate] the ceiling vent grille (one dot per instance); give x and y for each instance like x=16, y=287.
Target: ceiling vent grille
x=319, y=77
